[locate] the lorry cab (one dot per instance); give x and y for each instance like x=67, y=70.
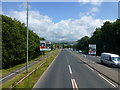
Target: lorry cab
x=110, y=59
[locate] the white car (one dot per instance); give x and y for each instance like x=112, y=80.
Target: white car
x=80, y=51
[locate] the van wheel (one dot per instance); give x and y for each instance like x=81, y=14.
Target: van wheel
x=101, y=61
x=112, y=65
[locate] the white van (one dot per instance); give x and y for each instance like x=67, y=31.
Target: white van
x=110, y=59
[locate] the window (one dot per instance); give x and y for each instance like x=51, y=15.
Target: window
x=42, y=44
x=116, y=58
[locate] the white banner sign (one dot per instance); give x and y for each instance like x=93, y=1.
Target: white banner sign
x=92, y=49
x=45, y=46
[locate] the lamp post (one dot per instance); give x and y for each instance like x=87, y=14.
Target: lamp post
x=27, y=39
x=119, y=10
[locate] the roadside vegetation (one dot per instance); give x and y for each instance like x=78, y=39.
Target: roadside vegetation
x=14, y=43
x=32, y=79
x=12, y=69
x=106, y=38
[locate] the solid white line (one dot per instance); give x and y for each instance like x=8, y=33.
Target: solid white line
x=11, y=74
x=44, y=73
x=70, y=69
x=106, y=80
x=6, y=76
x=74, y=85
x=16, y=71
x=90, y=68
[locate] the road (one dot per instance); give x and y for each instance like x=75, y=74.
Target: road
x=68, y=71
x=96, y=59
x=19, y=70
x=93, y=58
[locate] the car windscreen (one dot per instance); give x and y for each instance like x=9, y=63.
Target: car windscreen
x=42, y=44
x=116, y=58
x=48, y=45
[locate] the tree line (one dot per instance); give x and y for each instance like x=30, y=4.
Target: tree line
x=14, y=47
x=106, y=38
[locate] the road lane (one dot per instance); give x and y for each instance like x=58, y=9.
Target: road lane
x=111, y=73
x=97, y=60
x=68, y=71
x=57, y=75
x=84, y=76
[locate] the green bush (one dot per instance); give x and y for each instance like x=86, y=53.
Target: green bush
x=14, y=42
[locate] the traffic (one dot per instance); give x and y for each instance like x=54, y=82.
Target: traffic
x=108, y=59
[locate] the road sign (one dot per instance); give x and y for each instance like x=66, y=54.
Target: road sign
x=92, y=49
x=45, y=46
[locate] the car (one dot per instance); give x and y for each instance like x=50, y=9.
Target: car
x=80, y=51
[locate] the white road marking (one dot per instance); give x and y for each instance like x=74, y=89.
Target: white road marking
x=15, y=72
x=106, y=80
x=11, y=74
x=90, y=68
x=70, y=69
x=74, y=85
x=6, y=76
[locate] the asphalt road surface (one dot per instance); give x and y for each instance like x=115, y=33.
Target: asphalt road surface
x=68, y=71
x=12, y=74
x=97, y=60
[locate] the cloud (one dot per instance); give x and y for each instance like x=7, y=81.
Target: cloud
x=67, y=30
x=94, y=9
x=92, y=2
x=109, y=20
x=23, y=6
x=91, y=12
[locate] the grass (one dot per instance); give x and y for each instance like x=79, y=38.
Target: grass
x=6, y=71
x=31, y=80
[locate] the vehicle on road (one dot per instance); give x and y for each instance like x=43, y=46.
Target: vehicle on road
x=80, y=51
x=110, y=59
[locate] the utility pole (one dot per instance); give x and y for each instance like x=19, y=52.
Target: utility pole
x=27, y=39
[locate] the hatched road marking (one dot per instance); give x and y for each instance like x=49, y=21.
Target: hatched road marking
x=74, y=85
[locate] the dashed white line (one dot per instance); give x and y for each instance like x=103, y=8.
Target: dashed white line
x=70, y=69
x=106, y=80
x=74, y=85
x=90, y=68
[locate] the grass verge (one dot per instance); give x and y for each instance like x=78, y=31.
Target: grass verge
x=7, y=71
x=32, y=79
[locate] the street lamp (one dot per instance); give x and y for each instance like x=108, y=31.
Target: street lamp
x=27, y=39
x=119, y=10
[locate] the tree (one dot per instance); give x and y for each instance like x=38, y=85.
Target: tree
x=106, y=38
x=82, y=44
x=14, y=42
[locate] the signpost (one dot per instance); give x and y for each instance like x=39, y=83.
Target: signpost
x=92, y=49
x=45, y=46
